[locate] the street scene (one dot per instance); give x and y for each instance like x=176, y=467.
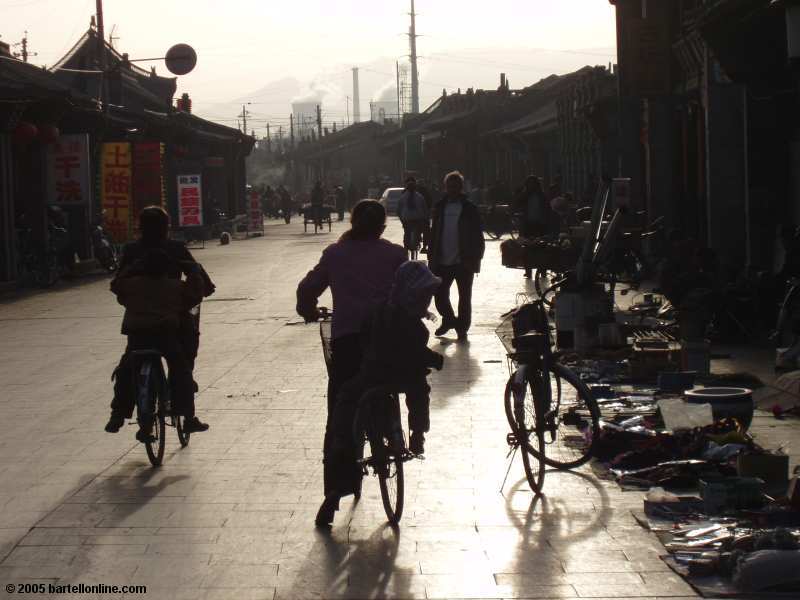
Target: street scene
x=327, y=327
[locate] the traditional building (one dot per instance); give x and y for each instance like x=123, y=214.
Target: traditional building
x=706, y=89
x=70, y=141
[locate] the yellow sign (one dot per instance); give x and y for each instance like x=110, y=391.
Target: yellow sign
x=115, y=189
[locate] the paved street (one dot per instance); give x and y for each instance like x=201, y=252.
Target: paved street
x=231, y=516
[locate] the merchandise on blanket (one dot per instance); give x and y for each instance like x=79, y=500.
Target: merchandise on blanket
x=678, y=474
x=731, y=493
x=769, y=569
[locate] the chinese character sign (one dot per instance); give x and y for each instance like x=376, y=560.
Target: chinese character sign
x=115, y=185
x=147, y=181
x=190, y=201
x=68, y=170
x=255, y=213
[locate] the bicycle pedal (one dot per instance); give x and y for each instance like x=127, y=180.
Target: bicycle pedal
x=511, y=439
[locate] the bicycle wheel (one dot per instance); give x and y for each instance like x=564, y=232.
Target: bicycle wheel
x=149, y=377
x=183, y=435
x=572, y=425
x=527, y=424
x=388, y=433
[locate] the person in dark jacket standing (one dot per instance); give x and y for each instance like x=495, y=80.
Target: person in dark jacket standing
x=455, y=253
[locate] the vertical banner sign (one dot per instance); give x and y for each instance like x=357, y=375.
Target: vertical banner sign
x=68, y=170
x=190, y=201
x=256, y=216
x=147, y=182
x=115, y=186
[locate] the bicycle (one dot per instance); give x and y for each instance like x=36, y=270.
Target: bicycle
x=382, y=429
x=546, y=403
x=413, y=242
x=154, y=403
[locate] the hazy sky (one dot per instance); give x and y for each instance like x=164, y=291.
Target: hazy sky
x=245, y=44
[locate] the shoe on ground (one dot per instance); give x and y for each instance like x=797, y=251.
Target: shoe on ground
x=326, y=511
x=416, y=443
x=114, y=424
x=194, y=425
x=462, y=336
x=444, y=328
x=145, y=438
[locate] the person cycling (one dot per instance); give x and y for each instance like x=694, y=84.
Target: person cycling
x=317, y=202
x=414, y=215
x=396, y=355
x=153, y=305
x=359, y=269
x=286, y=202
x=154, y=228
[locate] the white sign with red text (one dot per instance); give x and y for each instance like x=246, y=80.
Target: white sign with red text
x=68, y=170
x=190, y=201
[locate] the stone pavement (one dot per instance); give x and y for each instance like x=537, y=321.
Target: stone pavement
x=231, y=516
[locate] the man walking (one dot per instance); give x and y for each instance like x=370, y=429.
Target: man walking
x=455, y=253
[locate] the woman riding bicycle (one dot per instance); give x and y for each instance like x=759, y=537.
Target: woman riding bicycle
x=396, y=357
x=359, y=270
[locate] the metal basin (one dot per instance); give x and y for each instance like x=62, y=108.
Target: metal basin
x=725, y=402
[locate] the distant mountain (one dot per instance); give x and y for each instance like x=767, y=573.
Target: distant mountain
x=478, y=68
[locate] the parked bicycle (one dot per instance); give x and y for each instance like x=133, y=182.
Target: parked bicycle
x=546, y=403
x=378, y=421
x=37, y=265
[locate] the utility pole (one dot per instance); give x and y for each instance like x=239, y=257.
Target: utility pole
x=412, y=37
x=101, y=35
x=319, y=122
x=356, y=97
x=397, y=66
x=347, y=108
x=291, y=130
x=244, y=118
x=269, y=143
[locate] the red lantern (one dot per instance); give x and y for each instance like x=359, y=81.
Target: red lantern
x=49, y=134
x=25, y=133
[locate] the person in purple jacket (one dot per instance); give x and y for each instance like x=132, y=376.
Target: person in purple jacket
x=359, y=269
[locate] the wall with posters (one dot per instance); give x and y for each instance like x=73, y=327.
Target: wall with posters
x=115, y=189
x=190, y=201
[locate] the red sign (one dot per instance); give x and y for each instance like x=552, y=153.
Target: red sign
x=148, y=189
x=255, y=214
x=115, y=185
x=190, y=201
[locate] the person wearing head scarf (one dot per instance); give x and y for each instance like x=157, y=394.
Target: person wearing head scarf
x=396, y=355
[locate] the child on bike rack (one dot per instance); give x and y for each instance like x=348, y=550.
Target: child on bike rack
x=153, y=305
x=396, y=356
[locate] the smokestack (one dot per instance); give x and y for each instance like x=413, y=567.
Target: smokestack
x=356, y=98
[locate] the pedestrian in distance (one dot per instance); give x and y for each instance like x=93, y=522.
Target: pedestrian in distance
x=533, y=209
x=455, y=253
x=359, y=270
x=414, y=215
x=341, y=201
